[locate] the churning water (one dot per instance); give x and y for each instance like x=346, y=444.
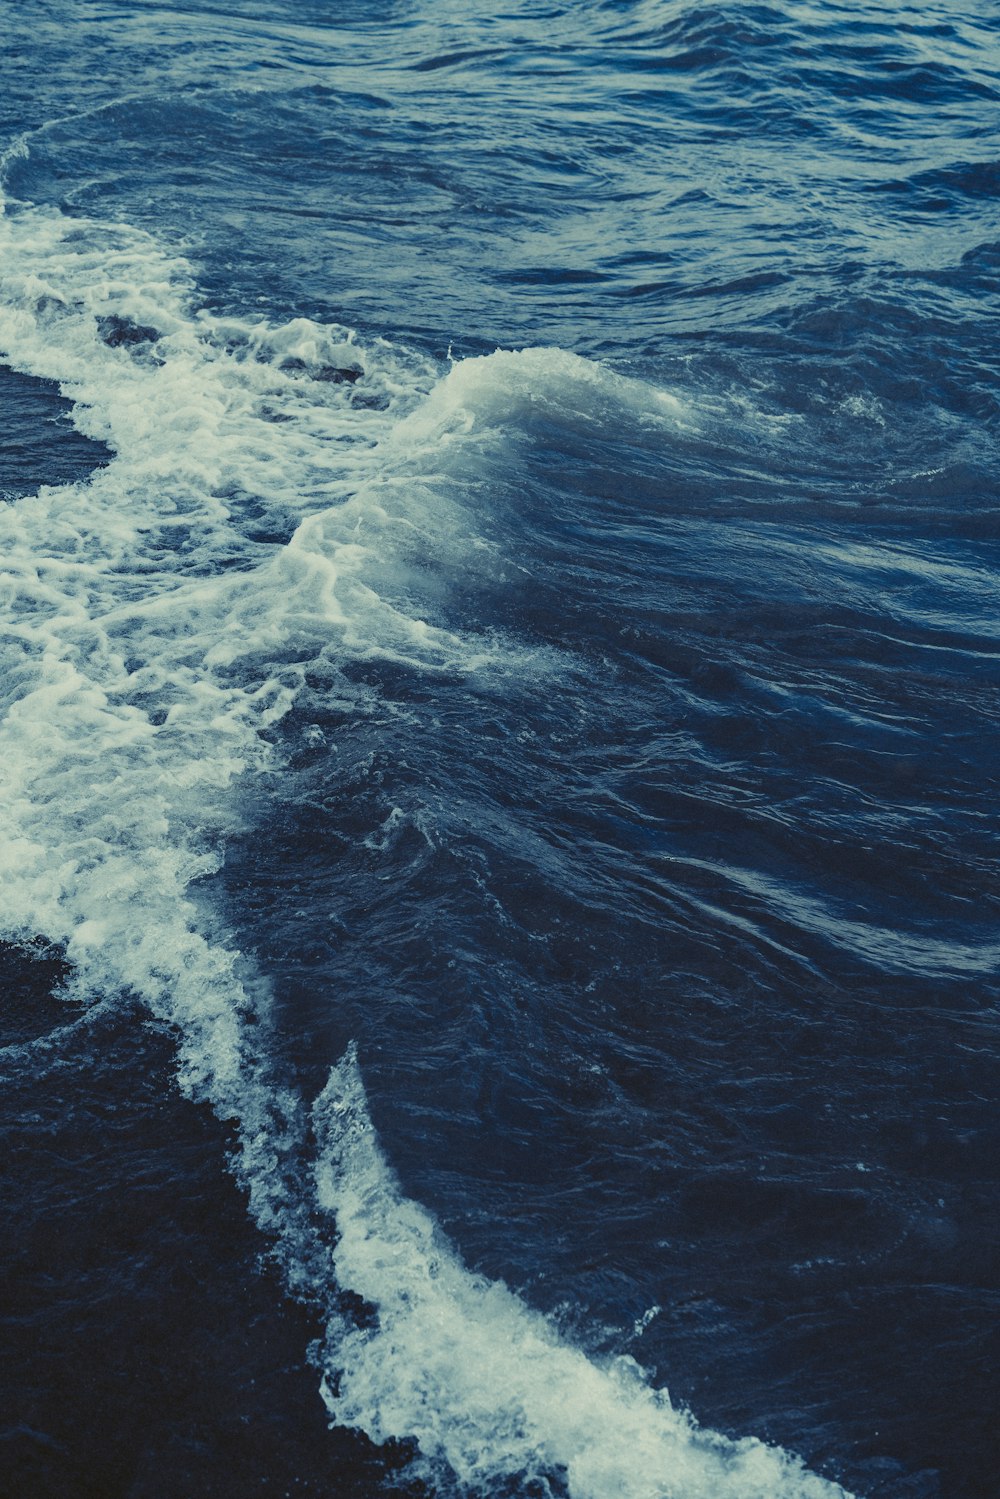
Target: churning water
x=499, y=750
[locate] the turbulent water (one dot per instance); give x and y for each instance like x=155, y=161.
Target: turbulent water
x=499, y=750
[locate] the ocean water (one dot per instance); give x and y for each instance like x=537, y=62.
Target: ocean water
x=498, y=760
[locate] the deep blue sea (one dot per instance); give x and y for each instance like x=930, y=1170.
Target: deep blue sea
x=500, y=691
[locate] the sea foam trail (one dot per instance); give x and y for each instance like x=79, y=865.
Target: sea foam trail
x=258, y=517
x=483, y=1383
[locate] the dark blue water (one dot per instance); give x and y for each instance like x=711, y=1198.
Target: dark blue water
x=499, y=751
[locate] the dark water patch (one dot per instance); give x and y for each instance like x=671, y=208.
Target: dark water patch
x=118, y=332
x=147, y=1352
x=904, y=83
x=30, y=1006
x=454, y=59
x=38, y=444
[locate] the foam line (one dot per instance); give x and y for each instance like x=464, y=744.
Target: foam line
x=486, y=1386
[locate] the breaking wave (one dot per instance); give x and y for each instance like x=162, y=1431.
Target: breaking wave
x=281, y=497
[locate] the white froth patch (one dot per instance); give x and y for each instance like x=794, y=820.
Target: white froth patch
x=496, y=394
x=486, y=1386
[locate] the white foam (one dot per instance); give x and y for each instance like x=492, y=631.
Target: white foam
x=157, y=618
x=486, y=1386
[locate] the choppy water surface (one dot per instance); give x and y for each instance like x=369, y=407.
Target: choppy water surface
x=499, y=742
